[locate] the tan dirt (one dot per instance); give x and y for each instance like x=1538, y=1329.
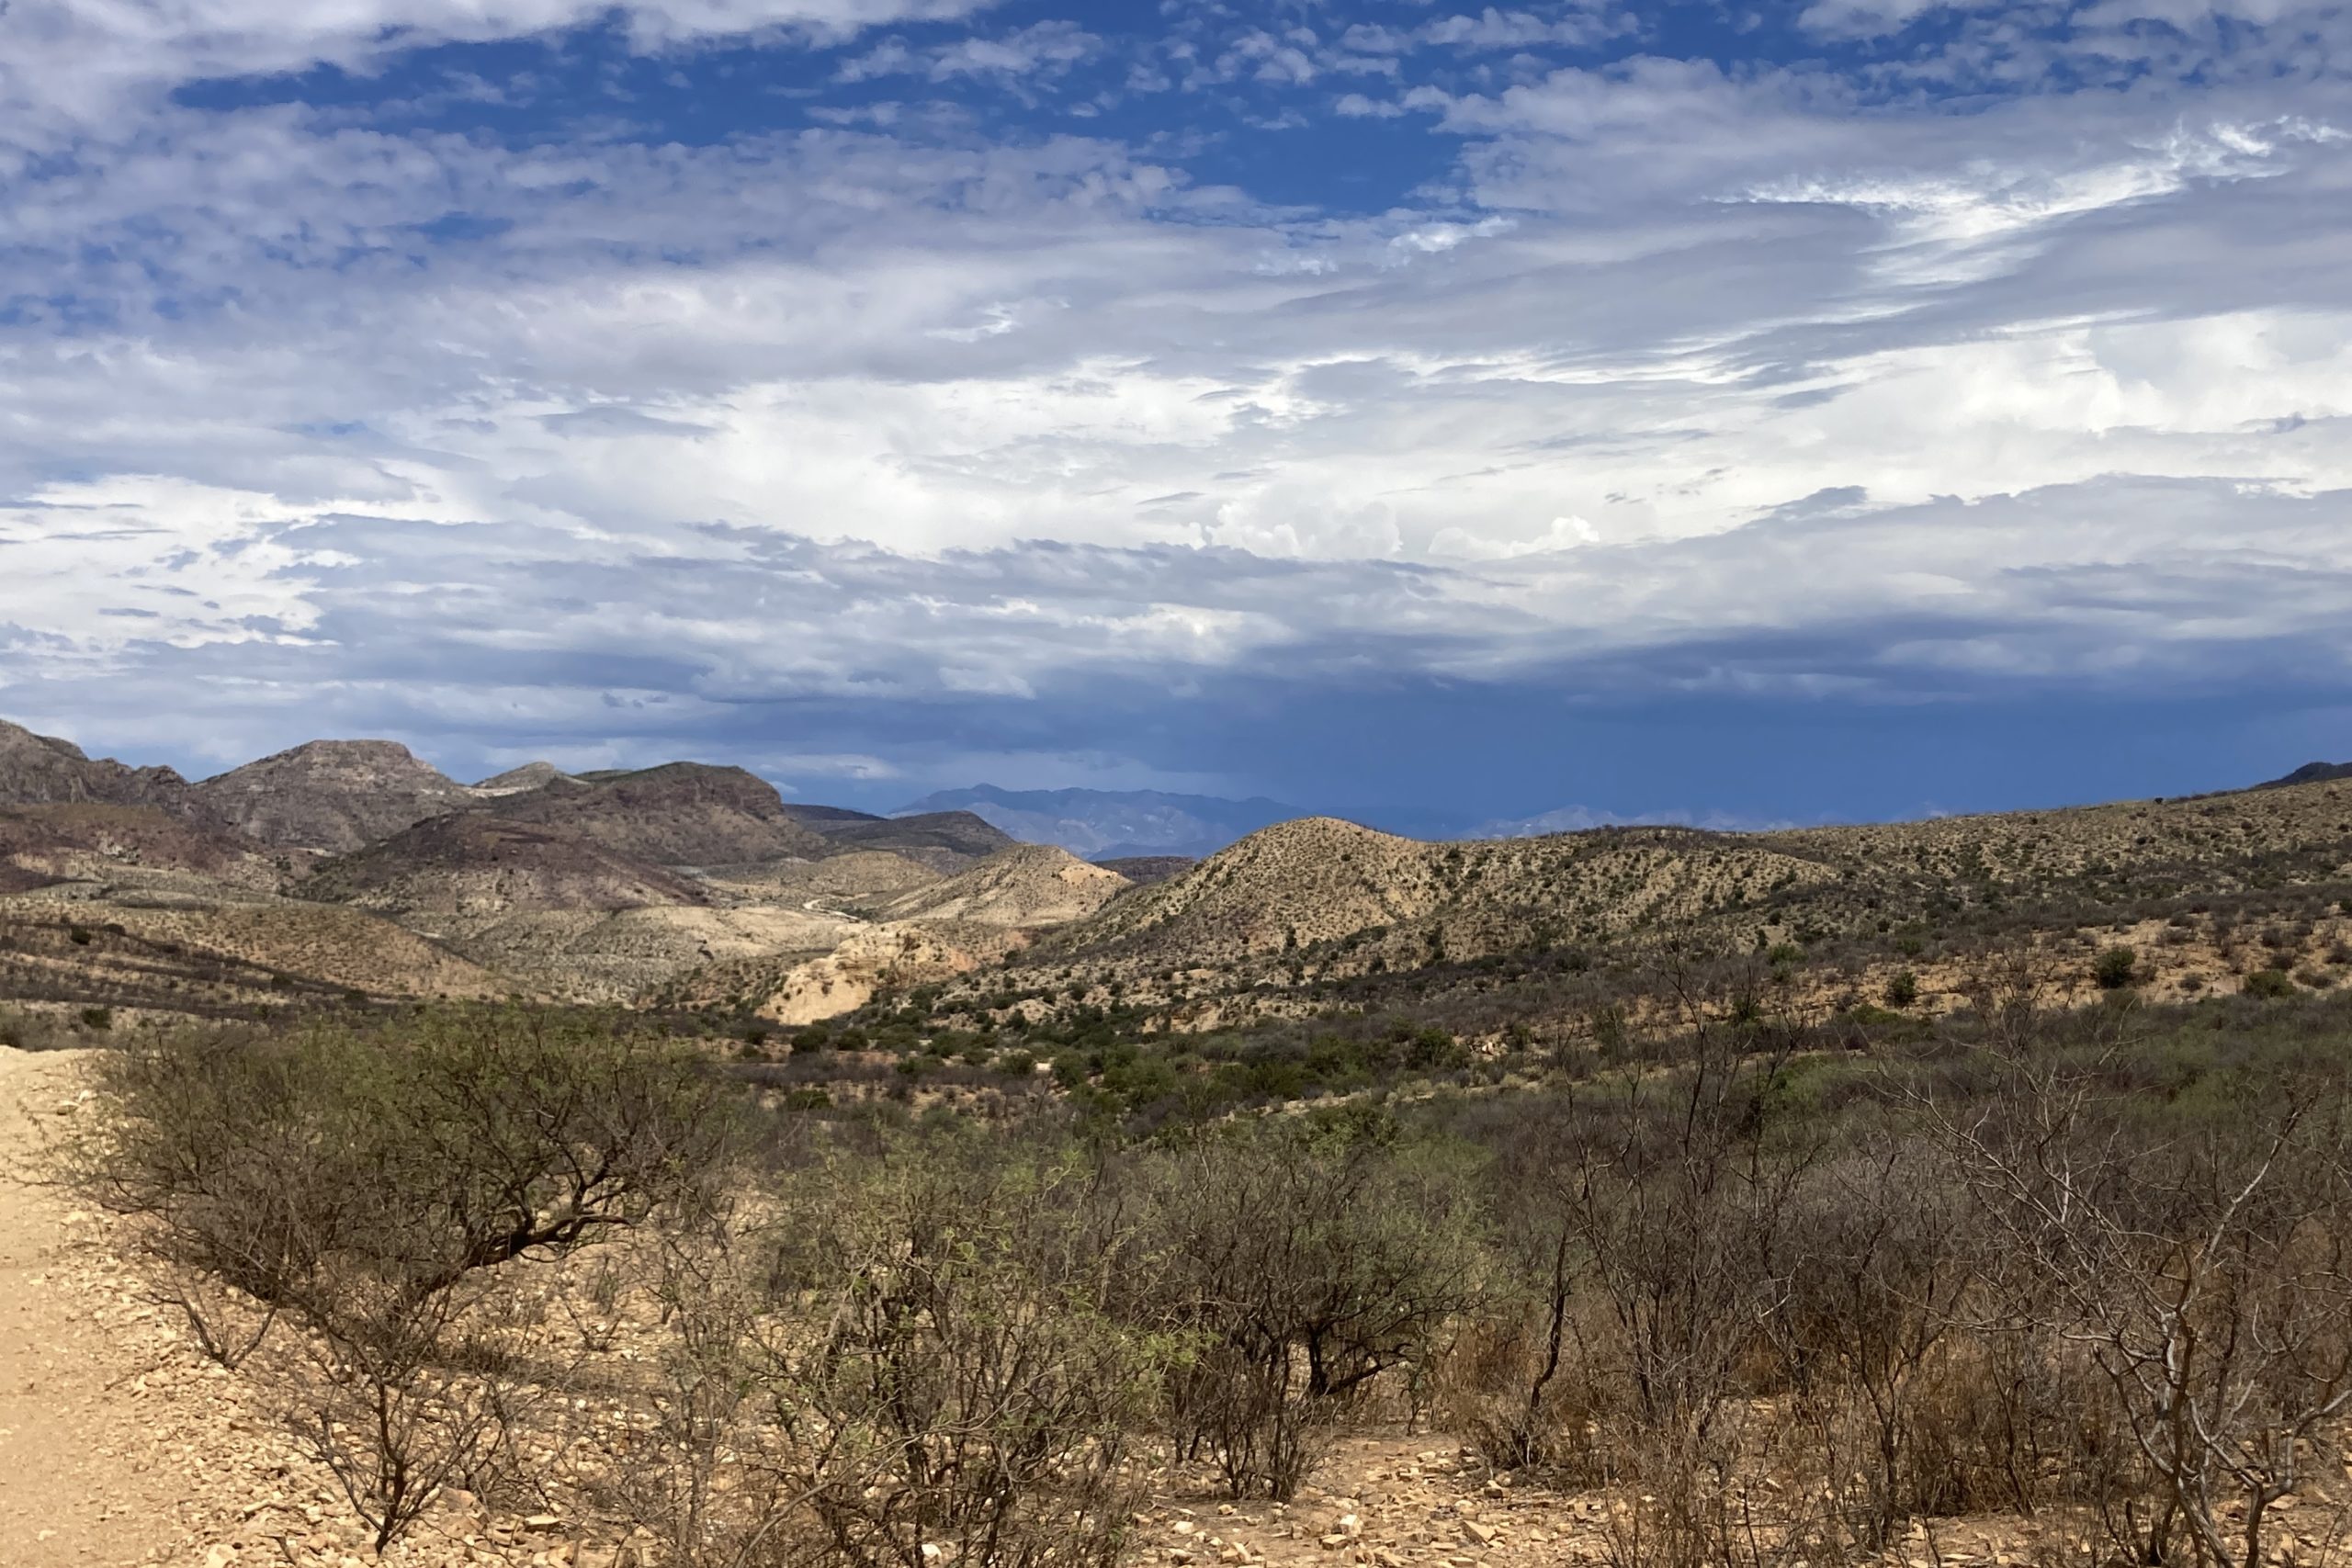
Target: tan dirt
x=121, y=1445
x=92, y=1470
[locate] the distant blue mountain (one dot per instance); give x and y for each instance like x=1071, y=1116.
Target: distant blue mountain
x=1107, y=824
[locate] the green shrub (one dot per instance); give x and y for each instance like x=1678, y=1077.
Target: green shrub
x=2270, y=984
x=2116, y=968
x=1902, y=990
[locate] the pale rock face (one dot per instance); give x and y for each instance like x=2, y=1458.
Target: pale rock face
x=846, y=978
x=522, y=780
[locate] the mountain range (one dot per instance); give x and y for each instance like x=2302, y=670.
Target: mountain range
x=345, y=869
x=356, y=866
x=1111, y=824
x=2312, y=773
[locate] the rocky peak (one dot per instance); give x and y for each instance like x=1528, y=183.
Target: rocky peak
x=333, y=795
x=42, y=770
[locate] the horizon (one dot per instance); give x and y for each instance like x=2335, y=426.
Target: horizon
x=1847, y=410
x=1424, y=820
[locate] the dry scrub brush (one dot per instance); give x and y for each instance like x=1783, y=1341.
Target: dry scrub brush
x=887, y=1363
x=1303, y=1261
x=353, y=1203
x=1784, y=1302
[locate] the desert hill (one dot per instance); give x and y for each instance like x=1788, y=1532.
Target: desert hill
x=352, y=865
x=2312, y=773
x=1319, y=880
x=216, y=954
x=529, y=776
x=941, y=930
x=1145, y=870
x=96, y=842
x=870, y=961
x=332, y=795
x=474, y=862
x=824, y=819
x=41, y=769
x=1029, y=885
x=947, y=841
x=701, y=882
x=1317, y=913
x=680, y=814
x=631, y=955
x=2214, y=844
x=854, y=879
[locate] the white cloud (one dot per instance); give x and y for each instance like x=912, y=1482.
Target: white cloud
x=1041, y=50
x=922, y=414
x=89, y=62
x=1495, y=28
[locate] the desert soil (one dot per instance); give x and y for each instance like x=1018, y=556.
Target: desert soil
x=94, y=1469
x=118, y=1444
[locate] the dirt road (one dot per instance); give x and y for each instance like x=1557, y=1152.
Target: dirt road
x=107, y=1454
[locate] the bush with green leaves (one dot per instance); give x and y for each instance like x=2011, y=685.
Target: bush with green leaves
x=2270, y=985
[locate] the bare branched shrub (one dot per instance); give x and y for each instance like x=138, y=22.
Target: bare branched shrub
x=1879, y=1269
x=1305, y=1262
x=1657, y=1212
x=901, y=1362
x=364, y=1189
x=2201, y=1263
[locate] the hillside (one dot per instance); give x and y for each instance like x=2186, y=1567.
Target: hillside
x=1145, y=870
x=854, y=879
x=824, y=819
x=694, y=880
x=133, y=949
x=1315, y=915
x=473, y=863
x=332, y=795
x=97, y=842
x=1029, y=885
x=632, y=954
x=529, y=776
x=680, y=814
x=1320, y=881
x=2312, y=773
x=41, y=769
x=945, y=840
x=869, y=962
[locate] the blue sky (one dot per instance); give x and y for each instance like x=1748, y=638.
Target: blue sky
x=1767, y=412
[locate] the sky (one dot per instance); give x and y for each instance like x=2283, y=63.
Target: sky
x=1767, y=412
